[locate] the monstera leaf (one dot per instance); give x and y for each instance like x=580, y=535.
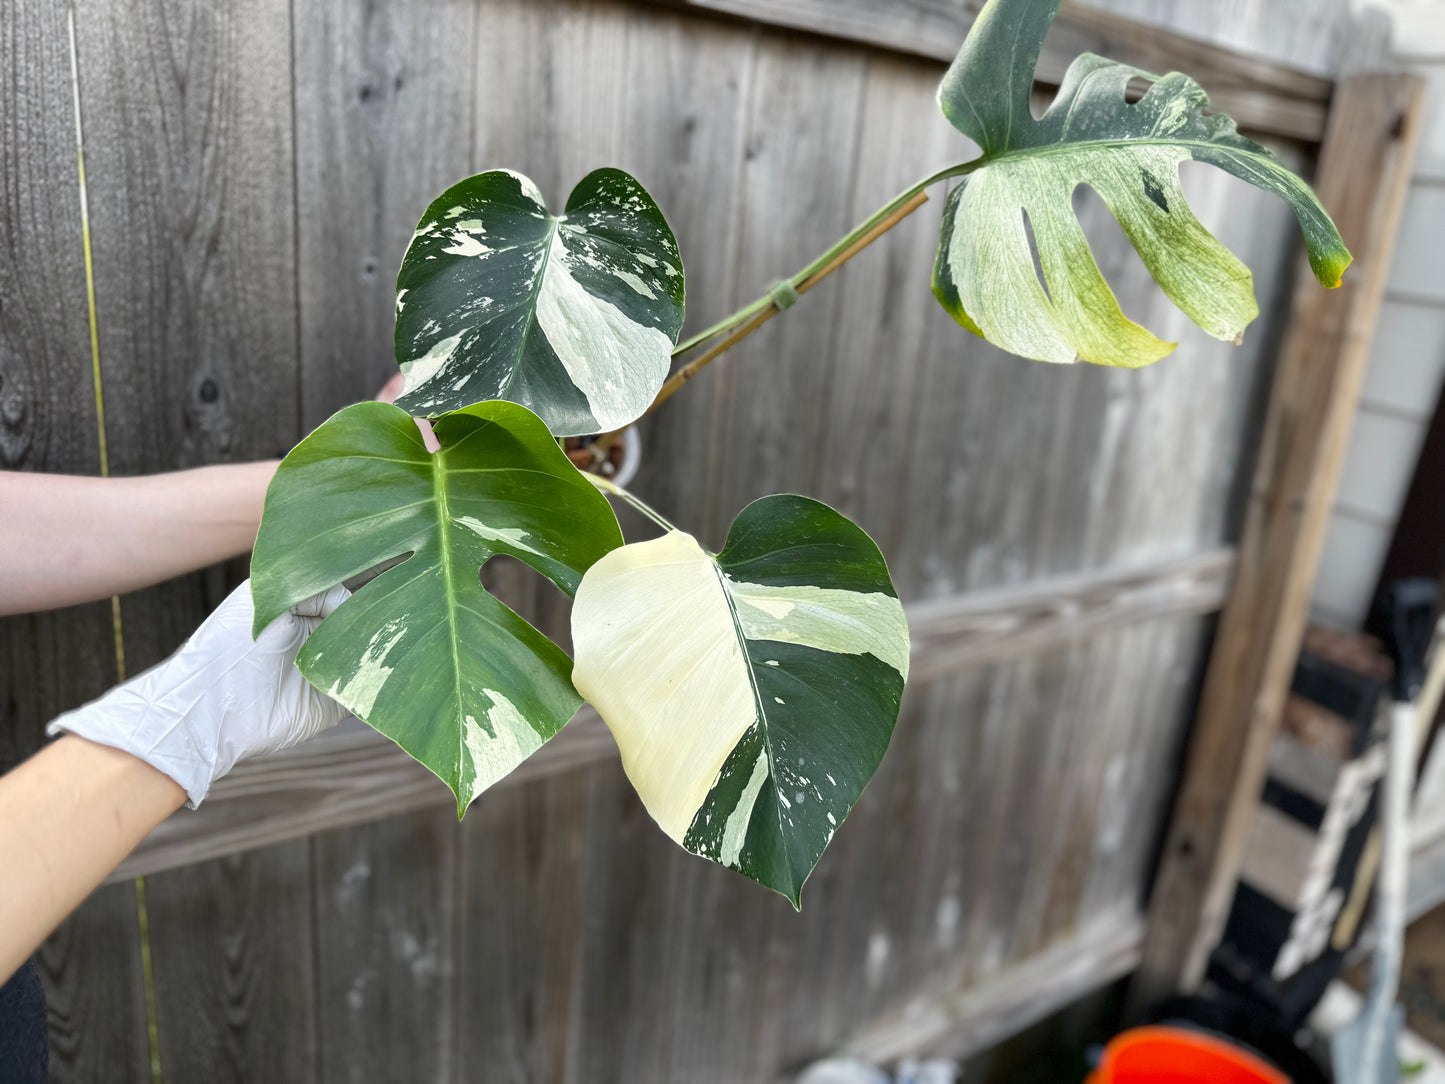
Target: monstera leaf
x=752, y=694
x=423, y=653
x=1130, y=155
x=573, y=316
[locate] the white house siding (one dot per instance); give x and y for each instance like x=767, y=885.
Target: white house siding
x=1407, y=365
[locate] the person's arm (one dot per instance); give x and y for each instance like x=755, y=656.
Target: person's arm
x=68, y=815
x=75, y=809
x=67, y=540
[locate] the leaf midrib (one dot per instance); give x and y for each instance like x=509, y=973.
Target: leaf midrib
x=763, y=724
x=532, y=297
x=1047, y=149
x=444, y=522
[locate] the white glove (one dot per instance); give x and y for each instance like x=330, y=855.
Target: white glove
x=219, y=699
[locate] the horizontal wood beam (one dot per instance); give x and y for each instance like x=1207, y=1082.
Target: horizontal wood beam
x=1260, y=94
x=352, y=774
x=983, y=627
x=983, y=1013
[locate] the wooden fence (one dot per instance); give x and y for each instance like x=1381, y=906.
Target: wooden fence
x=252, y=173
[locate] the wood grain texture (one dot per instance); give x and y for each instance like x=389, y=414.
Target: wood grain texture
x=384, y=100
x=1261, y=94
x=55, y=661
x=194, y=255
x=383, y=122
x=769, y=443
x=191, y=187
x=235, y=967
x=972, y=1019
x=521, y=889
x=1362, y=179
x=95, y=992
x=686, y=125
x=387, y=951
x=351, y=775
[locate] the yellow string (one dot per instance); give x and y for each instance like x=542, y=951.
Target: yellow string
x=142, y=915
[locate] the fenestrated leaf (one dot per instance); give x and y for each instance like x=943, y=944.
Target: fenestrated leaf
x=752, y=694
x=1130, y=155
x=574, y=316
x=423, y=653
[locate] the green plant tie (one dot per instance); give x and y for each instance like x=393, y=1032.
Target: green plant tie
x=784, y=294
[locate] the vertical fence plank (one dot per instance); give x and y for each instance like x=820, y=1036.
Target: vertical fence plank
x=767, y=434
x=234, y=959
x=384, y=122
x=685, y=124
x=885, y=304
x=387, y=957
x=521, y=890
x=55, y=661
x=187, y=113
x=629, y=866
x=383, y=125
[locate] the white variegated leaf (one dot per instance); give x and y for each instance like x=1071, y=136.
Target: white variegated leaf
x=574, y=315
x=423, y=652
x=752, y=693
x=1130, y=154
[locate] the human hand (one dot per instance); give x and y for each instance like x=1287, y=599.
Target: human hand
x=388, y=393
x=391, y=389
x=220, y=699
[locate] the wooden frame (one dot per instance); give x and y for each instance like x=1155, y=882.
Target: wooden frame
x=1363, y=176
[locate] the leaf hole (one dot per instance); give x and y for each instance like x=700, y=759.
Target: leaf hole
x=1129, y=281
x=1039, y=102
x=510, y=582
x=361, y=579
x=1034, y=255
x=1114, y=254
x=1136, y=88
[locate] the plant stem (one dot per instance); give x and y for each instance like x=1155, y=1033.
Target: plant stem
x=642, y=506
x=765, y=308
x=732, y=329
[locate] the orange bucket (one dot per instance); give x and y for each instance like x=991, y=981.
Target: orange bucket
x=1163, y=1055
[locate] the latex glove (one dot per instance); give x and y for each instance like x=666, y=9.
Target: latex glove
x=221, y=698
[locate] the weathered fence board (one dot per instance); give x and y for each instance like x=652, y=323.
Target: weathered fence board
x=192, y=204
x=56, y=661
x=387, y=953
x=1262, y=93
x=383, y=124
x=255, y=173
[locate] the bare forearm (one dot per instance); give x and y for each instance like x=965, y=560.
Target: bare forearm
x=68, y=816
x=66, y=540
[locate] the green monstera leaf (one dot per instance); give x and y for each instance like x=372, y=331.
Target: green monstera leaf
x=423, y=653
x=1130, y=155
x=752, y=693
x=574, y=316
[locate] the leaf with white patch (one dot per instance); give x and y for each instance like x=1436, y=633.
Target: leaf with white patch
x=1130, y=155
x=752, y=693
x=574, y=316
x=423, y=653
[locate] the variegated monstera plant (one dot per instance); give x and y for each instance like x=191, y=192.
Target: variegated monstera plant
x=752, y=692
